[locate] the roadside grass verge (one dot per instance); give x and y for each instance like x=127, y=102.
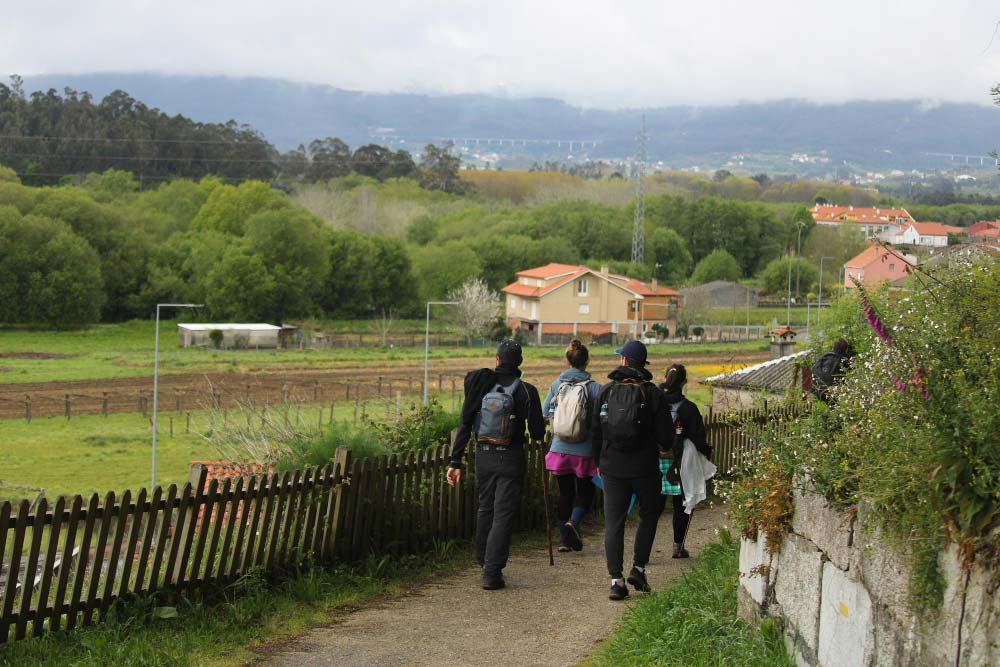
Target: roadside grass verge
x=236, y=626
x=125, y=350
x=693, y=622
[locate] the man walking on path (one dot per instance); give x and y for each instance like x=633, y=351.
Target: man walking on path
x=632, y=428
x=499, y=407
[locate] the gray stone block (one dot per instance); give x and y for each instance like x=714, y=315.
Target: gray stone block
x=798, y=586
x=825, y=527
x=755, y=563
x=885, y=573
x=846, y=631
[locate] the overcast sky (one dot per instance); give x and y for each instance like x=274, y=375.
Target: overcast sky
x=589, y=52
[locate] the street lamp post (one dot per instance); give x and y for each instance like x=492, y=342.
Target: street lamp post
x=798, y=258
x=427, y=338
x=156, y=377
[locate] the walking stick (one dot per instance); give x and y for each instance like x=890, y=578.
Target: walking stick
x=548, y=520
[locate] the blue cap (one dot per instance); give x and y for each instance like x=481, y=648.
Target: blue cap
x=634, y=351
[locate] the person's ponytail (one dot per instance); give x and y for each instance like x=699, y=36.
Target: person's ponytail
x=675, y=378
x=577, y=354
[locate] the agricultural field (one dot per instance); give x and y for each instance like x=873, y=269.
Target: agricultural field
x=106, y=444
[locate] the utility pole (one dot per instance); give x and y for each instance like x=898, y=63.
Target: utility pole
x=639, y=225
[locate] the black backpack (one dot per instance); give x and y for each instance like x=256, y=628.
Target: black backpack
x=824, y=371
x=625, y=414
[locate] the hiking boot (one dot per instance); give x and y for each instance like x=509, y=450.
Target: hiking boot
x=563, y=547
x=493, y=582
x=572, y=537
x=638, y=580
x=618, y=592
x=681, y=552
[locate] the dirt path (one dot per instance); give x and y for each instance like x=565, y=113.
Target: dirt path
x=546, y=617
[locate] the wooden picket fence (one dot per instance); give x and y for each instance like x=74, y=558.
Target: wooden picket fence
x=64, y=564
x=734, y=448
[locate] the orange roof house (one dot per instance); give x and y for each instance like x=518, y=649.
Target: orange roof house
x=872, y=221
x=567, y=299
x=877, y=264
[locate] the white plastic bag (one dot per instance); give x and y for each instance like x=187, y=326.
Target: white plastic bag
x=695, y=471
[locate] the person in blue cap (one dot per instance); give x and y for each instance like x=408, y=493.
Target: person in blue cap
x=503, y=411
x=632, y=430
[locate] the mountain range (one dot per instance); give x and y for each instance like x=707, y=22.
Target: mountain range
x=864, y=134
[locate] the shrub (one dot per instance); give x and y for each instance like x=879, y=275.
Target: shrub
x=216, y=336
x=912, y=431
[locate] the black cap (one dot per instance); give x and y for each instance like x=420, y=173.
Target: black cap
x=509, y=352
x=634, y=351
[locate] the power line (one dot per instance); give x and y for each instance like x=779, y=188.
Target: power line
x=63, y=156
x=639, y=224
x=131, y=140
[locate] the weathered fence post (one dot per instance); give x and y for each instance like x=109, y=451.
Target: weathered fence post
x=379, y=390
x=342, y=486
x=171, y=419
x=187, y=425
x=356, y=401
x=27, y=407
x=104, y=404
x=68, y=406
x=399, y=401
x=452, y=393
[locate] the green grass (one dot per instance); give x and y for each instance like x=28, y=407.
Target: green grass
x=126, y=350
x=94, y=453
x=225, y=633
x=693, y=623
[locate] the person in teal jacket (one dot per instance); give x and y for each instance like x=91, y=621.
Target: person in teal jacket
x=572, y=463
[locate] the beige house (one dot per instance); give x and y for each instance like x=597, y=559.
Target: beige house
x=563, y=299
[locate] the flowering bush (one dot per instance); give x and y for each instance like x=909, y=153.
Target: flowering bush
x=914, y=429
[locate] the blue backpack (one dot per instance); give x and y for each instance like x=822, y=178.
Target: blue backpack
x=496, y=415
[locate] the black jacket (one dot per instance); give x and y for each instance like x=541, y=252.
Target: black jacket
x=528, y=408
x=642, y=462
x=691, y=425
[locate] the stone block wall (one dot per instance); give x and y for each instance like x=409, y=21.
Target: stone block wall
x=840, y=596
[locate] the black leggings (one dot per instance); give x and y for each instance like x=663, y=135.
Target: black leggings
x=573, y=492
x=681, y=518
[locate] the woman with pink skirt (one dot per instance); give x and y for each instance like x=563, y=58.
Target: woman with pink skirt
x=570, y=459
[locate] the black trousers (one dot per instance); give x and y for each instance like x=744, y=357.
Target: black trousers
x=499, y=482
x=573, y=492
x=617, y=495
x=681, y=518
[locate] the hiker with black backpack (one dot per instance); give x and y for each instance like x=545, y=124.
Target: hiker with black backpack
x=568, y=407
x=688, y=425
x=632, y=430
x=502, y=411
x=830, y=369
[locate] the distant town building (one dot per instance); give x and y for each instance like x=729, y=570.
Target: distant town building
x=565, y=299
x=877, y=264
x=927, y=234
x=874, y=222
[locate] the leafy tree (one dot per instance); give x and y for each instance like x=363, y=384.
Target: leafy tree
x=423, y=229
x=721, y=175
x=776, y=274
x=439, y=170
x=667, y=249
x=718, y=265
x=48, y=274
x=290, y=244
x=331, y=158
x=441, y=268
x=8, y=175
x=241, y=287
x=228, y=207
x=367, y=275
x=295, y=162
x=476, y=307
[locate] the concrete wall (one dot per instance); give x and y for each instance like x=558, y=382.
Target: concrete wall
x=840, y=595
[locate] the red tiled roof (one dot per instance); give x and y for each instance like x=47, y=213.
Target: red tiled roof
x=871, y=254
x=646, y=289
x=935, y=229
x=548, y=271
x=988, y=233
x=829, y=213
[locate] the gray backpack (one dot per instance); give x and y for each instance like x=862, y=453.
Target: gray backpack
x=497, y=415
x=571, y=417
